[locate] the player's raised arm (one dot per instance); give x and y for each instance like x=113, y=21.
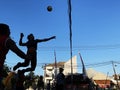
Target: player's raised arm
x=20, y=41
x=45, y=39
x=12, y=46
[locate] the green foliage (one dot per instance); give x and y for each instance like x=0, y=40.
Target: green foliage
x=5, y=71
x=30, y=79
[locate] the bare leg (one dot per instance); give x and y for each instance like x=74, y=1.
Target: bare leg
x=24, y=64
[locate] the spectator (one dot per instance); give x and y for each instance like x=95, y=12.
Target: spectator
x=48, y=85
x=60, y=79
x=20, y=81
x=40, y=84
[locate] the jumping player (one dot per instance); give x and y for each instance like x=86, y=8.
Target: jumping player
x=6, y=44
x=31, y=45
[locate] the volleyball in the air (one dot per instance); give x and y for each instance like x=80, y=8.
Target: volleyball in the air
x=49, y=8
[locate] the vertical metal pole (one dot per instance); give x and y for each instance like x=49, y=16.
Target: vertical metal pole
x=45, y=73
x=106, y=78
x=55, y=67
x=115, y=74
x=70, y=27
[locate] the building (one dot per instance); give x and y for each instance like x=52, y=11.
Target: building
x=50, y=71
x=67, y=66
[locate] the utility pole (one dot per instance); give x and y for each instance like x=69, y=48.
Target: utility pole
x=44, y=67
x=70, y=28
x=115, y=74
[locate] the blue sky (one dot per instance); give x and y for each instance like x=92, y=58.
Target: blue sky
x=95, y=30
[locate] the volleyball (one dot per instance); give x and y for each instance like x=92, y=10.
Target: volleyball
x=49, y=8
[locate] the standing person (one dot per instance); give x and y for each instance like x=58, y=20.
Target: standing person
x=40, y=84
x=60, y=79
x=48, y=85
x=31, y=45
x=6, y=44
x=20, y=81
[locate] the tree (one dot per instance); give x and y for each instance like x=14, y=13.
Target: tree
x=6, y=69
x=30, y=79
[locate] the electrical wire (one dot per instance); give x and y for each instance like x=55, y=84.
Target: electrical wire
x=86, y=47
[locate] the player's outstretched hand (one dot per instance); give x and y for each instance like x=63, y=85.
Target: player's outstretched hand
x=21, y=35
x=53, y=37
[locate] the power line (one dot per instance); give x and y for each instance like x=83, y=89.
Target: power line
x=79, y=64
x=86, y=47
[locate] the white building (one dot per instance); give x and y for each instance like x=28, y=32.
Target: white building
x=49, y=70
x=67, y=66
